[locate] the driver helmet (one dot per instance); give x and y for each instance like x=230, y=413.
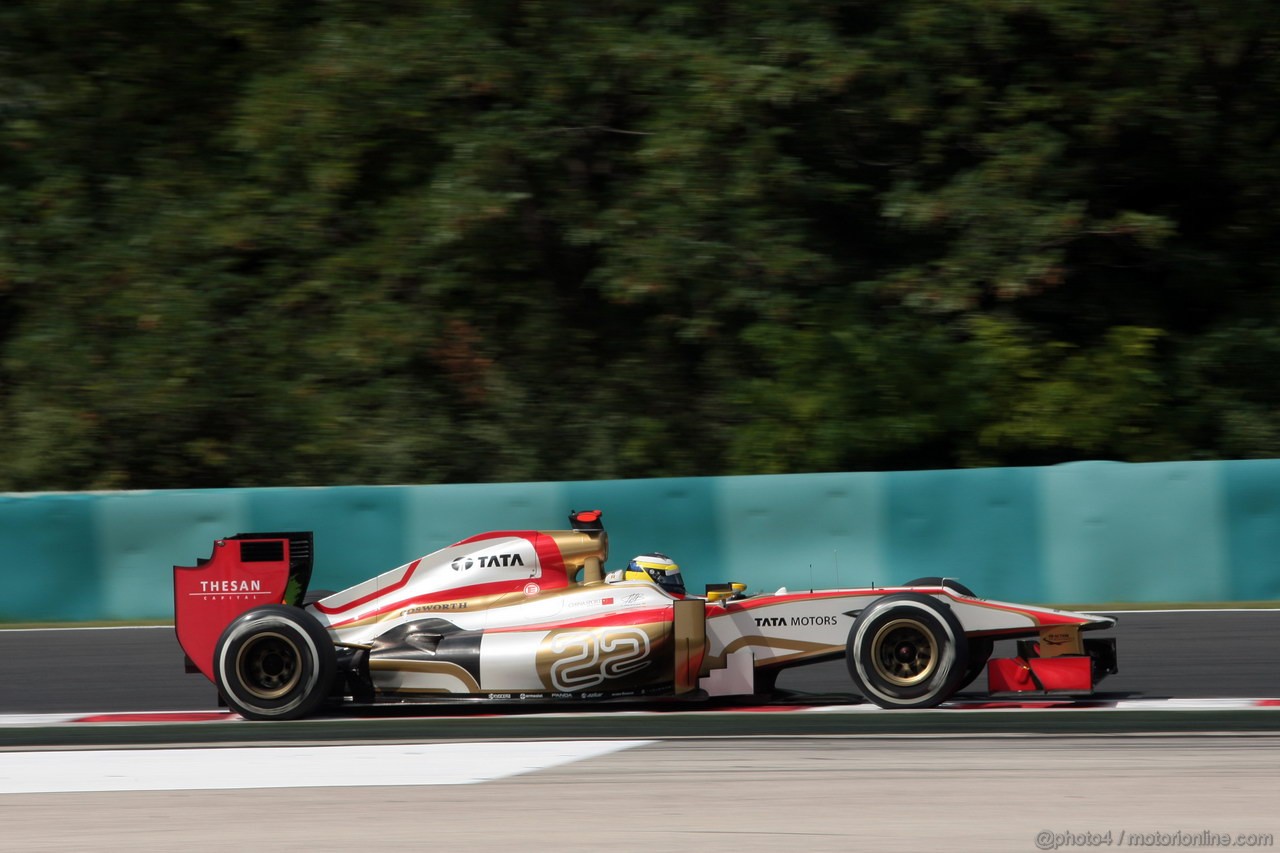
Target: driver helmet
x=659, y=568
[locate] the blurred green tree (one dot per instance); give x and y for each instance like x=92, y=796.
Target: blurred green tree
x=375, y=242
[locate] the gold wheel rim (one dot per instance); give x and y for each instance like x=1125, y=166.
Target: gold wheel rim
x=269, y=665
x=904, y=653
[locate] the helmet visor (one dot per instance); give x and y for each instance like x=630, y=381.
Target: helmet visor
x=670, y=580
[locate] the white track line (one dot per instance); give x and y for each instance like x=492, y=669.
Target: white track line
x=37, y=719
x=287, y=767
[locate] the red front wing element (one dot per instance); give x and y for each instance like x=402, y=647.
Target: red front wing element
x=1040, y=675
x=242, y=573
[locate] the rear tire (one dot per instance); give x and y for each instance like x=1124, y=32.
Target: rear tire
x=907, y=651
x=274, y=663
x=315, y=595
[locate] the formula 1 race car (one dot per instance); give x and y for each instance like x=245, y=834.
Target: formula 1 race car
x=526, y=615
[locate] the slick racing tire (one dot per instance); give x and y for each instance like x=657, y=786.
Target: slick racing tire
x=274, y=663
x=907, y=651
x=980, y=649
x=947, y=582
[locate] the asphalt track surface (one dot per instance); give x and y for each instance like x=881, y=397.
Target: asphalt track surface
x=951, y=781
x=1165, y=654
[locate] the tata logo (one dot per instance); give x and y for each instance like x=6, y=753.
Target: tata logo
x=770, y=622
x=484, y=561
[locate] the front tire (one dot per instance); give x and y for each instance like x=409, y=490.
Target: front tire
x=274, y=663
x=907, y=651
x=980, y=649
x=949, y=583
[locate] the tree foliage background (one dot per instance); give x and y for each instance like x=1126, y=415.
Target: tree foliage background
x=381, y=241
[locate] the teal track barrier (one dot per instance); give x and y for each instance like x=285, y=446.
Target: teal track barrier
x=1079, y=533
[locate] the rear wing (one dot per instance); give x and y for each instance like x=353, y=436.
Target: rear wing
x=245, y=571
